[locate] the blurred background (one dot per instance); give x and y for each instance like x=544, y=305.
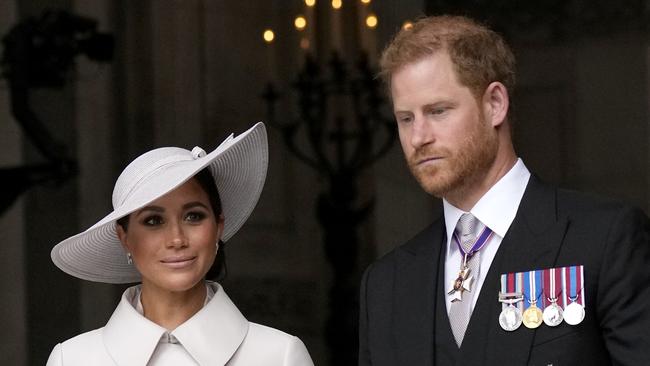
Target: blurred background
x=89, y=85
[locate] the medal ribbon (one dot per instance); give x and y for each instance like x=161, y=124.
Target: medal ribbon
x=538, y=288
x=573, y=285
x=557, y=272
x=510, y=285
x=581, y=285
x=573, y=290
x=519, y=287
x=564, y=284
x=478, y=244
x=551, y=284
x=531, y=280
x=504, y=287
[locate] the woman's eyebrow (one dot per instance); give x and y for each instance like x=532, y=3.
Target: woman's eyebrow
x=150, y=208
x=194, y=204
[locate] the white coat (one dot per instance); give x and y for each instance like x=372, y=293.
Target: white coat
x=216, y=335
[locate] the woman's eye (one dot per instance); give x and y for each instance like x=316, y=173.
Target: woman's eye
x=195, y=216
x=153, y=220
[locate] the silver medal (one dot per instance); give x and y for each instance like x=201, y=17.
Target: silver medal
x=553, y=315
x=574, y=313
x=510, y=318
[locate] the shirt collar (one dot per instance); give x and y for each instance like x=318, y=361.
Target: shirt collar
x=211, y=336
x=498, y=206
x=136, y=301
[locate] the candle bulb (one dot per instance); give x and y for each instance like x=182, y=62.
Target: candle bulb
x=335, y=25
x=269, y=38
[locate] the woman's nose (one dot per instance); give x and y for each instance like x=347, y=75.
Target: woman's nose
x=177, y=237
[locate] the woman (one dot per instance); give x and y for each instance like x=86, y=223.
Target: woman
x=172, y=210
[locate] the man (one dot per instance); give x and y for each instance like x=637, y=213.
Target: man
x=509, y=249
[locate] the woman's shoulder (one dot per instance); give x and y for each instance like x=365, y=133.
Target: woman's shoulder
x=85, y=340
x=75, y=350
x=259, y=331
x=272, y=346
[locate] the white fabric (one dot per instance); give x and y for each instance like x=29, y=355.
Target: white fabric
x=169, y=350
x=496, y=210
x=217, y=335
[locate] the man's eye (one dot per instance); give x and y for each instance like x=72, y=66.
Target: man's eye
x=438, y=111
x=195, y=216
x=153, y=221
x=404, y=119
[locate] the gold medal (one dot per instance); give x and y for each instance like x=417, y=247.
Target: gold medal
x=533, y=317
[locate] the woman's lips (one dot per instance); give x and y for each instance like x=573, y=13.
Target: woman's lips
x=178, y=262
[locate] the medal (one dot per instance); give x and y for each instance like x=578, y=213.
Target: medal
x=563, y=298
x=461, y=284
x=464, y=280
x=553, y=312
x=533, y=316
x=574, y=313
x=510, y=317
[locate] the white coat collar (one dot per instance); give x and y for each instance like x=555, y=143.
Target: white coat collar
x=211, y=336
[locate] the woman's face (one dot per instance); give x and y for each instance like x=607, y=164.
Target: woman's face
x=173, y=240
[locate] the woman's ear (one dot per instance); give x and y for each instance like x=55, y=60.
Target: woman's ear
x=496, y=103
x=121, y=234
x=220, y=225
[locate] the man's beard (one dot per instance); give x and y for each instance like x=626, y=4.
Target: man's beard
x=461, y=168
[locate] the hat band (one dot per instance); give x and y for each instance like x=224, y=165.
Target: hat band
x=146, y=175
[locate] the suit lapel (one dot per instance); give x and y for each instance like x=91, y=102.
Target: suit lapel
x=532, y=242
x=415, y=288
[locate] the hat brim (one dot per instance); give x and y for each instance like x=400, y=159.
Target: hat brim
x=238, y=165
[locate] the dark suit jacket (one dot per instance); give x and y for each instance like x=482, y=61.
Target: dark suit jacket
x=552, y=228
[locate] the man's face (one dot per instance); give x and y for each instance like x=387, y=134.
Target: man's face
x=448, y=144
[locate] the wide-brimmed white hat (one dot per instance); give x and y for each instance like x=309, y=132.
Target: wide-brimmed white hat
x=238, y=166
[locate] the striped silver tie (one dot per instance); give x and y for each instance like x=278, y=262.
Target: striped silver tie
x=460, y=311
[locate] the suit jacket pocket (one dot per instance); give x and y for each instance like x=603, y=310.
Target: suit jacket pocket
x=567, y=345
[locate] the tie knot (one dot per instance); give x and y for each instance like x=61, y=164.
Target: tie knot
x=466, y=229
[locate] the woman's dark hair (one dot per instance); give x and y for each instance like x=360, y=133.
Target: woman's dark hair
x=218, y=271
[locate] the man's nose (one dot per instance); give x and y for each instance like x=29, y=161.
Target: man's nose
x=422, y=132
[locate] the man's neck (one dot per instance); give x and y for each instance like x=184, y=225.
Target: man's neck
x=468, y=195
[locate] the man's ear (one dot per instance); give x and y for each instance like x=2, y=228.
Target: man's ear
x=496, y=103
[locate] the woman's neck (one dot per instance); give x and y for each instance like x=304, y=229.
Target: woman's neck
x=170, y=309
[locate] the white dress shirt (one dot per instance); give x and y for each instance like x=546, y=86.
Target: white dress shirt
x=496, y=210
